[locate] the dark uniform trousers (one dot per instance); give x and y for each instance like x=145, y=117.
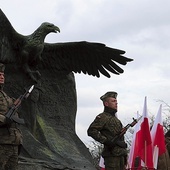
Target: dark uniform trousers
x=114, y=163
x=8, y=157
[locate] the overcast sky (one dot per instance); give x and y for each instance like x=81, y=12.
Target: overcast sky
x=141, y=28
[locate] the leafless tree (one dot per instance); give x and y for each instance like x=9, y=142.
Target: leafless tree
x=95, y=149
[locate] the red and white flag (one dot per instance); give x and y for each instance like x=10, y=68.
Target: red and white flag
x=132, y=153
x=158, y=138
x=142, y=154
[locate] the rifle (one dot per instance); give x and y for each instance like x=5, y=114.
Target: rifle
x=116, y=139
x=17, y=103
x=123, y=131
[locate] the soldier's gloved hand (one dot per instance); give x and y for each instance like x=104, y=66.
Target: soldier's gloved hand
x=8, y=121
x=121, y=144
x=110, y=143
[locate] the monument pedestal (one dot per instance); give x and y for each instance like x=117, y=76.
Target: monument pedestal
x=49, y=137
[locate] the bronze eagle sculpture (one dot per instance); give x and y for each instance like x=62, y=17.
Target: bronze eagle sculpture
x=30, y=52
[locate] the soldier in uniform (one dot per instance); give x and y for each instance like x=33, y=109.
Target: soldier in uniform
x=104, y=129
x=10, y=135
x=164, y=159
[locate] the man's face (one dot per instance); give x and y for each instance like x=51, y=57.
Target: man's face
x=2, y=79
x=111, y=102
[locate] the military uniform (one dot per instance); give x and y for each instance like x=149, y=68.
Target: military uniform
x=103, y=129
x=10, y=136
x=164, y=159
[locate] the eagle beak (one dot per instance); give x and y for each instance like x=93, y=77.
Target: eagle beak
x=57, y=29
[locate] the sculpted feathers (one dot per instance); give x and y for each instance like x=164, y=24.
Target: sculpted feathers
x=30, y=52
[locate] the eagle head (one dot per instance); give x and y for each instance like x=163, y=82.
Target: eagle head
x=49, y=27
x=46, y=28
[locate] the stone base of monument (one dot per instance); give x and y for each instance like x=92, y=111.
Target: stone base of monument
x=35, y=164
x=49, y=137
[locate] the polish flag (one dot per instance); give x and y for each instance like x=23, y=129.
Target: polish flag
x=132, y=153
x=158, y=138
x=142, y=154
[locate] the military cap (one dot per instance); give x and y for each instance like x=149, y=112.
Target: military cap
x=2, y=67
x=109, y=94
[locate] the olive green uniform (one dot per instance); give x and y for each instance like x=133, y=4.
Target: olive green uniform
x=103, y=129
x=10, y=136
x=164, y=159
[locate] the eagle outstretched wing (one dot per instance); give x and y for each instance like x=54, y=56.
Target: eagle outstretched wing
x=87, y=57
x=10, y=41
x=30, y=52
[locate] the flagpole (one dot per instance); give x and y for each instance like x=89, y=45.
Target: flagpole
x=145, y=155
x=155, y=156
